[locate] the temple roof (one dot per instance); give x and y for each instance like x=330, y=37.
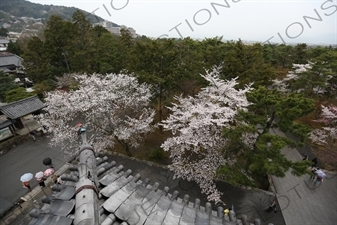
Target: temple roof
x=97, y=192
x=22, y=107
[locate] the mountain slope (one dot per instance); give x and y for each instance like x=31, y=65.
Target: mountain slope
x=16, y=14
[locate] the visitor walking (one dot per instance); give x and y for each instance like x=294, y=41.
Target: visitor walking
x=313, y=173
x=272, y=207
x=26, y=184
x=319, y=176
x=33, y=135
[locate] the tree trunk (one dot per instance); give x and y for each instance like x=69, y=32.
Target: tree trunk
x=125, y=147
x=265, y=130
x=269, y=123
x=160, y=113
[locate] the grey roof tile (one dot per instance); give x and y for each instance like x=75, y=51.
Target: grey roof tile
x=22, y=107
x=9, y=59
x=121, y=198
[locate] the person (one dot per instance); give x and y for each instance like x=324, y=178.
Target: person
x=272, y=206
x=313, y=173
x=319, y=176
x=41, y=133
x=314, y=162
x=26, y=185
x=305, y=157
x=54, y=178
x=226, y=211
x=46, y=128
x=41, y=182
x=319, y=179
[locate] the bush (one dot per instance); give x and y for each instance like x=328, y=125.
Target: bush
x=156, y=154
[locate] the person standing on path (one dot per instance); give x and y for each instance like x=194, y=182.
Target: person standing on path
x=26, y=184
x=41, y=182
x=272, y=207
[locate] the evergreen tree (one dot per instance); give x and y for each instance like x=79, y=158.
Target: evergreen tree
x=247, y=63
x=7, y=83
x=258, y=150
x=14, y=47
x=17, y=94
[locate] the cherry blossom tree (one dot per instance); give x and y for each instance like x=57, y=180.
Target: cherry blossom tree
x=113, y=108
x=286, y=84
x=312, y=79
x=326, y=137
x=196, y=124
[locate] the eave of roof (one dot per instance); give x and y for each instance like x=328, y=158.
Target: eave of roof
x=7, y=123
x=22, y=107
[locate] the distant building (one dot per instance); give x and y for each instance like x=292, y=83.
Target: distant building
x=3, y=44
x=13, y=36
x=117, y=30
x=10, y=62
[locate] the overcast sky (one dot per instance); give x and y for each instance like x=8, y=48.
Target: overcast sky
x=292, y=21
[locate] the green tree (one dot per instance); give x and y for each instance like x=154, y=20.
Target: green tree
x=58, y=34
x=125, y=45
x=301, y=54
x=247, y=63
x=14, y=47
x=81, y=45
x=42, y=88
x=35, y=60
x=316, y=78
x=99, y=30
x=284, y=55
x=3, y=32
x=17, y=94
x=155, y=62
x=7, y=83
x=213, y=51
x=191, y=64
x=258, y=149
x=106, y=55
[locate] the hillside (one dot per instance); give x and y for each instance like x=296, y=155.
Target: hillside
x=17, y=15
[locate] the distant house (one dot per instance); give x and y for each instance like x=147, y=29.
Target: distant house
x=3, y=44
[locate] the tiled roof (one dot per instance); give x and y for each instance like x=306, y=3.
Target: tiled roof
x=97, y=192
x=4, y=41
x=22, y=107
x=8, y=59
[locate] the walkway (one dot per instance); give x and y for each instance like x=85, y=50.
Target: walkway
x=29, y=124
x=301, y=201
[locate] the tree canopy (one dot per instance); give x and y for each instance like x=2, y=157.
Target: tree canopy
x=196, y=124
x=7, y=84
x=114, y=108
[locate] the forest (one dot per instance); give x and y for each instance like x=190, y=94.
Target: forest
x=288, y=87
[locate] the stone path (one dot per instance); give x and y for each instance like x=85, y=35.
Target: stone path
x=303, y=202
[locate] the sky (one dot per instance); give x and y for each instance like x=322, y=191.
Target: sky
x=292, y=21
